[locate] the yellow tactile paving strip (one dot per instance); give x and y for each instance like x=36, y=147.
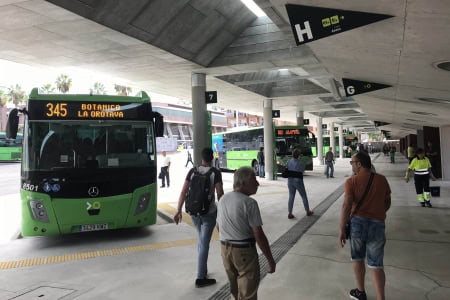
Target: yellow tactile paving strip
x=92, y=254
x=170, y=210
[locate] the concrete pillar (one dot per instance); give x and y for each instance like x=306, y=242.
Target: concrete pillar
x=445, y=155
x=332, y=141
x=420, y=139
x=268, y=139
x=300, y=117
x=199, y=117
x=319, y=141
x=341, y=141
x=300, y=114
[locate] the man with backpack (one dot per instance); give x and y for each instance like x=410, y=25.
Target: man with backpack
x=197, y=194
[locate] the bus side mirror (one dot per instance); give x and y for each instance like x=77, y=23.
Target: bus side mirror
x=158, y=120
x=12, y=125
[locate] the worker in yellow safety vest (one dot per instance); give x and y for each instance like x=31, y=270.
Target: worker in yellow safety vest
x=422, y=171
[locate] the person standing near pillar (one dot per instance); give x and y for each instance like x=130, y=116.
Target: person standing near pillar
x=261, y=162
x=329, y=162
x=165, y=170
x=411, y=152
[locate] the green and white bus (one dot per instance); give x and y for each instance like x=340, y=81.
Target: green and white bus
x=10, y=149
x=88, y=163
x=237, y=148
x=350, y=140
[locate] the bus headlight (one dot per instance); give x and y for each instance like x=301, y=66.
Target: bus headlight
x=142, y=203
x=38, y=210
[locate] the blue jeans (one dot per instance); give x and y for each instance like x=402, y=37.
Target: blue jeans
x=261, y=172
x=296, y=184
x=367, y=237
x=329, y=169
x=205, y=226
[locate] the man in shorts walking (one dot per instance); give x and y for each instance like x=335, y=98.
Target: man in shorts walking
x=367, y=234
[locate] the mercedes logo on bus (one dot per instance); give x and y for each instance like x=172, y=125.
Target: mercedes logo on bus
x=93, y=191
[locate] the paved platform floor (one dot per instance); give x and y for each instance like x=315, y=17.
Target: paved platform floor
x=159, y=262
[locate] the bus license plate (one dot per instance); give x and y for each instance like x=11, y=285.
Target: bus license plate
x=93, y=227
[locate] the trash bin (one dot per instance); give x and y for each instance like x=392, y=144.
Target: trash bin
x=435, y=191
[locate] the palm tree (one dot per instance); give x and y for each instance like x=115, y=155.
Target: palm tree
x=63, y=83
x=16, y=95
x=98, y=89
x=47, y=89
x=122, y=90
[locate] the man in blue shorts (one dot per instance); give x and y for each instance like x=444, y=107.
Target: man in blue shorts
x=367, y=234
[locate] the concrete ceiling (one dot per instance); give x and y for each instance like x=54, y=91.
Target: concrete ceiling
x=157, y=44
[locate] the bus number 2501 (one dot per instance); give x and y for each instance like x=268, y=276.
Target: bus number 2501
x=30, y=187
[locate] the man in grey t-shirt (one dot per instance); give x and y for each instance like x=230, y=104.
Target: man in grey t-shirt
x=240, y=226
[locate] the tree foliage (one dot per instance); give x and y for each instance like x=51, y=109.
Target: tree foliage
x=47, y=89
x=16, y=95
x=98, y=89
x=122, y=90
x=63, y=83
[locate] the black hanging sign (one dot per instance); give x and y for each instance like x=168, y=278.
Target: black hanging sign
x=310, y=23
x=211, y=97
x=275, y=113
x=380, y=123
x=336, y=128
x=354, y=87
x=324, y=126
x=305, y=121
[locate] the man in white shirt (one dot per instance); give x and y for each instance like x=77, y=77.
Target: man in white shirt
x=165, y=170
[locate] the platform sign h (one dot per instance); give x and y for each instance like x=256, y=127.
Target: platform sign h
x=310, y=23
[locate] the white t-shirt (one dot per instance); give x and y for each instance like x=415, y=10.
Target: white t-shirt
x=237, y=214
x=166, y=161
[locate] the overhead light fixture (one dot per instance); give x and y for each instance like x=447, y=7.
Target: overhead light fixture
x=254, y=8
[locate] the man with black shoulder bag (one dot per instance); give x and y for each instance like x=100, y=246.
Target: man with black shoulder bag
x=367, y=197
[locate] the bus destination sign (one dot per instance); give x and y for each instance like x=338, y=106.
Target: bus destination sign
x=287, y=132
x=74, y=110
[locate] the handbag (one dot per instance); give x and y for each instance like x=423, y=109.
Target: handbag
x=349, y=222
x=160, y=176
x=285, y=173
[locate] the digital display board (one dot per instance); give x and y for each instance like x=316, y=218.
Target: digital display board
x=288, y=132
x=80, y=110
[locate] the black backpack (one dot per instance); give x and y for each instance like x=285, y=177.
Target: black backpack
x=200, y=193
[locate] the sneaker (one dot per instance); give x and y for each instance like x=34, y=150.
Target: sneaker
x=422, y=204
x=331, y=176
x=291, y=216
x=358, y=295
x=310, y=213
x=428, y=203
x=204, y=282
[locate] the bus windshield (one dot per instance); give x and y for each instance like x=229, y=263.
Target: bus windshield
x=83, y=144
